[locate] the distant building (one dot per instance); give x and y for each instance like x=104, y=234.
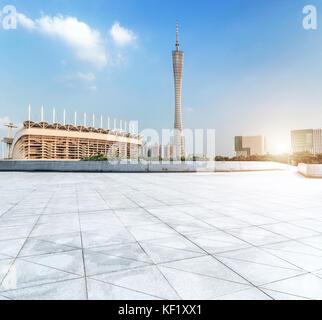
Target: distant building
x=152, y=152
x=250, y=145
x=309, y=140
x=155, y=151
x=145, y=151
x=167, y=151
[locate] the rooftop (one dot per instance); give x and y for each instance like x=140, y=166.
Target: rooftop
x=70, y=127
x=160, y=236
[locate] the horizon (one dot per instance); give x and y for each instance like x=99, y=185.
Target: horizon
x=249, y=69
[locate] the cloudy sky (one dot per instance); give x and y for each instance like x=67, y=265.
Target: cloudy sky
x=250, y=67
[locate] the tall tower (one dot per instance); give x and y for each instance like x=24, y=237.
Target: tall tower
x=177, y=58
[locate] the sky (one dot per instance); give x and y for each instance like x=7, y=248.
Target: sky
x=250, y=67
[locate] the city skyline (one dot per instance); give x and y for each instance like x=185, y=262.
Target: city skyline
x=249, y=70
x=166, y=150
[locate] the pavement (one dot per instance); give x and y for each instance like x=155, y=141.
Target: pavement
x=241, y=236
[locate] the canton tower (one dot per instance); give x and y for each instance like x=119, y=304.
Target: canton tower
x=177, y=58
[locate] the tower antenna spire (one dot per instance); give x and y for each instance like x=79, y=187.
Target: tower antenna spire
x=177, y=43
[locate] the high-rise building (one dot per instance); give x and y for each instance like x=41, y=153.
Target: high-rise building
x=249, y=146
x=151, y=151
x=155, y=151
x=145, y=150
x=309, y=140
x=317, y=141
x=167, y=152
x=177, y=58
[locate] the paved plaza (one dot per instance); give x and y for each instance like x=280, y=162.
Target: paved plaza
x=160, y=236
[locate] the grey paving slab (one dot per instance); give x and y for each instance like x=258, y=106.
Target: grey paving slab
x=161, y=254
x=18, y=232
x=255, y=235
x=98, y=290
x=258, y=256
x=98, y=263
x=95, y=238
x=23, y=274
x=249, y=294
x=63, y=290
x=4, y=268
x=259, y=274
x=52, y=229
x=290, y=230
x=23, y=212
x=226, y=223
x=71, y=239
x=305, y=261
x=148, y=280
x=315, y=242
x=150, y=232
x=37, y=246
x=18, y=221
x=299, y=247
x=216, y=242
x=70, y=261
x=307, y=286
x=175, y=242
x=207, y=266
x=132, y=251
x=195, y=286
x=282, y=296
x=11, y=248
x=310, y=224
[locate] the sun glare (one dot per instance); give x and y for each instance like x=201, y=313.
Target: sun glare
x=281, y=147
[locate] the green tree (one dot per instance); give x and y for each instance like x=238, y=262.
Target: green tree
x=95, y=157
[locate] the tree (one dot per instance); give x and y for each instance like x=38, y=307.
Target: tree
x=95, y=157
x=306, y=157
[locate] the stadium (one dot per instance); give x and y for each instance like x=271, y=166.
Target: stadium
x=55, y=141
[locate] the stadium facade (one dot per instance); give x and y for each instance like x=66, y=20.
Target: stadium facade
x=55, y=141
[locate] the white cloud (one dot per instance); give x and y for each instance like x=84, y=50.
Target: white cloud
x=87, y=42
x=4, y=129
x=6, y=120
x=3, y=121
x=25, y=22
x=92, y=88
x=188, y=109
x=121, y=35
x=85, y=76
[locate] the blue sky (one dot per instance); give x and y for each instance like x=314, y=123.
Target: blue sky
x=250, y=67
